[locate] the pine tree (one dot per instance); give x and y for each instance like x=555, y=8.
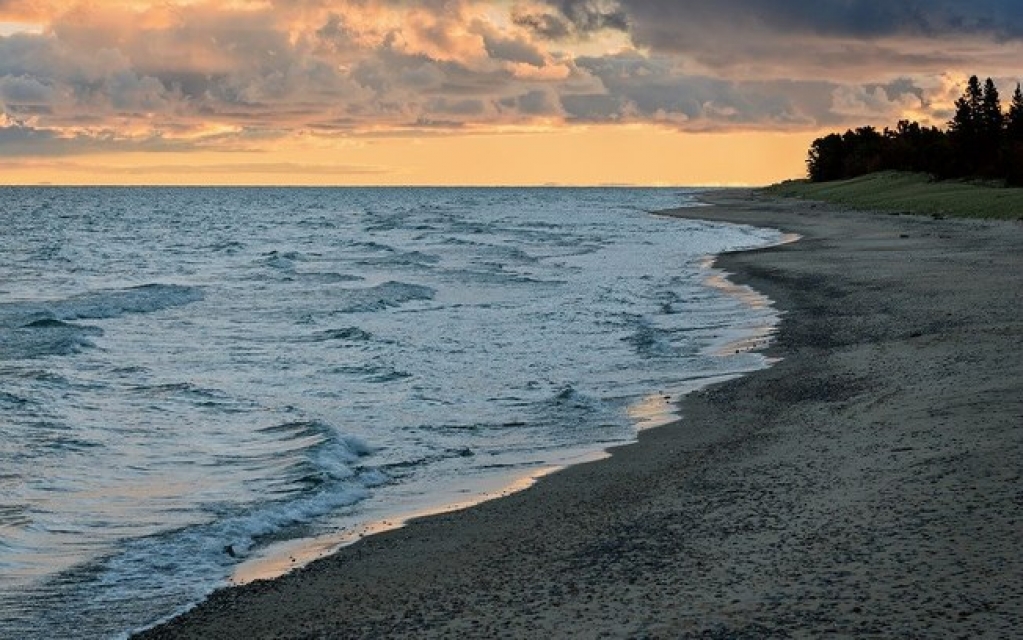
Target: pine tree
x=1014, y=121
x=992, y=123
x=966, y=127
x=991, y=118
x=1013, y=149
x=968, y=108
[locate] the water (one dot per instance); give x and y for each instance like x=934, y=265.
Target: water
x=189, y=377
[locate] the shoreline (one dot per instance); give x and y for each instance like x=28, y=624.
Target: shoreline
x=865, y=484
x=658, y=409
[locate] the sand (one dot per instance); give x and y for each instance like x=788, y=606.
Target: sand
x=868, y=484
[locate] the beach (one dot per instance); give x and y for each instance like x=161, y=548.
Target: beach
x=868, y=484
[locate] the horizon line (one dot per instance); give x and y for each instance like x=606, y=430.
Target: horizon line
x=227, y=185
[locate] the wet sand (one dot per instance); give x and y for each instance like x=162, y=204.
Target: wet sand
x=869, y=484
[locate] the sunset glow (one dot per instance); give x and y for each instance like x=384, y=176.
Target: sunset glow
x=462, y=92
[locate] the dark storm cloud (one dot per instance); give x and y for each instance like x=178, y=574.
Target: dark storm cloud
x=799, y=35
x=592, y=15
x=573, y=17
x=666, y=22
x=545, y=25
x=795, y=38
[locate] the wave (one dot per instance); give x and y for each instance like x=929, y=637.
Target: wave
x=160, y=573
x=345, y=334
x=99, y=305
x=570, y=397
x=509, y=253
x=372, y=373
x=669, y=302
x=46, y=337
x=402, y=259
x=229, y=246
x=286, y=263
x=572, y=413
x=14, y=515
x=114, y=303
x=181, y=389
x=12, y=401
x=326, y=455
x=325, y=473
x=48, y=323
x=649, y=341
x=399, y=470
x=325, y=277
x=383, y=296
x=498, y=274
x=283, y=260
x=42, y=328
x=372, y=245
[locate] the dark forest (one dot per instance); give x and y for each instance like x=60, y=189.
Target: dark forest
x=982, y=141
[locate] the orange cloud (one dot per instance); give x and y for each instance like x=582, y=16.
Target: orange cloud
x=249, y=76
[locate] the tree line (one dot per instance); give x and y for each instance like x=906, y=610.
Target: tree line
x=981, y=141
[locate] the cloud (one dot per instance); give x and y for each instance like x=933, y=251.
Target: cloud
x=545, y=24
x=535, y=102
x=512, y=49
x=851, y=38
x=256, y=168
x=26, y=93
x=132, y=74
x=20, y=140
x=654, y=88
x=593, y=15
x=870, y=101
x=653, y=21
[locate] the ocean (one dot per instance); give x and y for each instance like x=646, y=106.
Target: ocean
x=205, y=385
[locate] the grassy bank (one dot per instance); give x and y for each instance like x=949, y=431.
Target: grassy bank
x=911, y=193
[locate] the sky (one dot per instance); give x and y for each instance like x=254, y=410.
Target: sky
x=530, y=92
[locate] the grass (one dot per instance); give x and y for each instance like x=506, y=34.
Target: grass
x=911, y=193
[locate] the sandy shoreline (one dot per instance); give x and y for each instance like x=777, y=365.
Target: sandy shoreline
x=869, y=484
